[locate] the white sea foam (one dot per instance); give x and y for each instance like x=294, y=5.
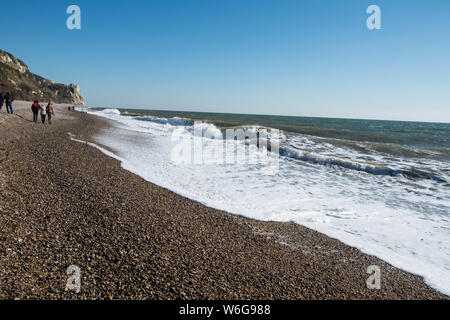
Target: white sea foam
x=405, y=222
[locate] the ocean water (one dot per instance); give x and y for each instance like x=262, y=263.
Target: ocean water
x=380, y=186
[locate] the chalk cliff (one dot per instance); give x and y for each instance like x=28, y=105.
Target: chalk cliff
x=16, y=78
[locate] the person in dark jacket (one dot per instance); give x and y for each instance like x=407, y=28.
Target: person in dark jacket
x=35, y=108
x=1, y=100
x=8, y=101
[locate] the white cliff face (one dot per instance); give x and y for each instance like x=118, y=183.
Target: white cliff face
x=76, y=94
x=13, y=62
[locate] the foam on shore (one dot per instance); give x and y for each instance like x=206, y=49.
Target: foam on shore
x=405, y=222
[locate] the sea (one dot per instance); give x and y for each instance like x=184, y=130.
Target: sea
x=380, y=186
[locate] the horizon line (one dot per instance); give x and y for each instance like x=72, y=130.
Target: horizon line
x=270, y=114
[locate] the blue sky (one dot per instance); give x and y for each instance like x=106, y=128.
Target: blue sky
x=311, y=58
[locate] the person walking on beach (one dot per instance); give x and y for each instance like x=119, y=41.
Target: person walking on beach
x=43, y=114
x=50, y=111
x=35, y=108
x=8, y=101
x=1, y=100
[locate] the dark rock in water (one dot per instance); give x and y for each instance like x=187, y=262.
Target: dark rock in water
x=16, y=78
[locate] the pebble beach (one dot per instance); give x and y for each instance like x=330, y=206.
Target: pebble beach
x=66, y=203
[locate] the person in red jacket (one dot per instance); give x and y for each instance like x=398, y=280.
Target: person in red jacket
x=35, y=108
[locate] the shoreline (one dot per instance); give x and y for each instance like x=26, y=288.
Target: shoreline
x=65, y=203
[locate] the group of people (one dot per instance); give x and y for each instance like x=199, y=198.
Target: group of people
x=7, y=99
x=45, y=111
